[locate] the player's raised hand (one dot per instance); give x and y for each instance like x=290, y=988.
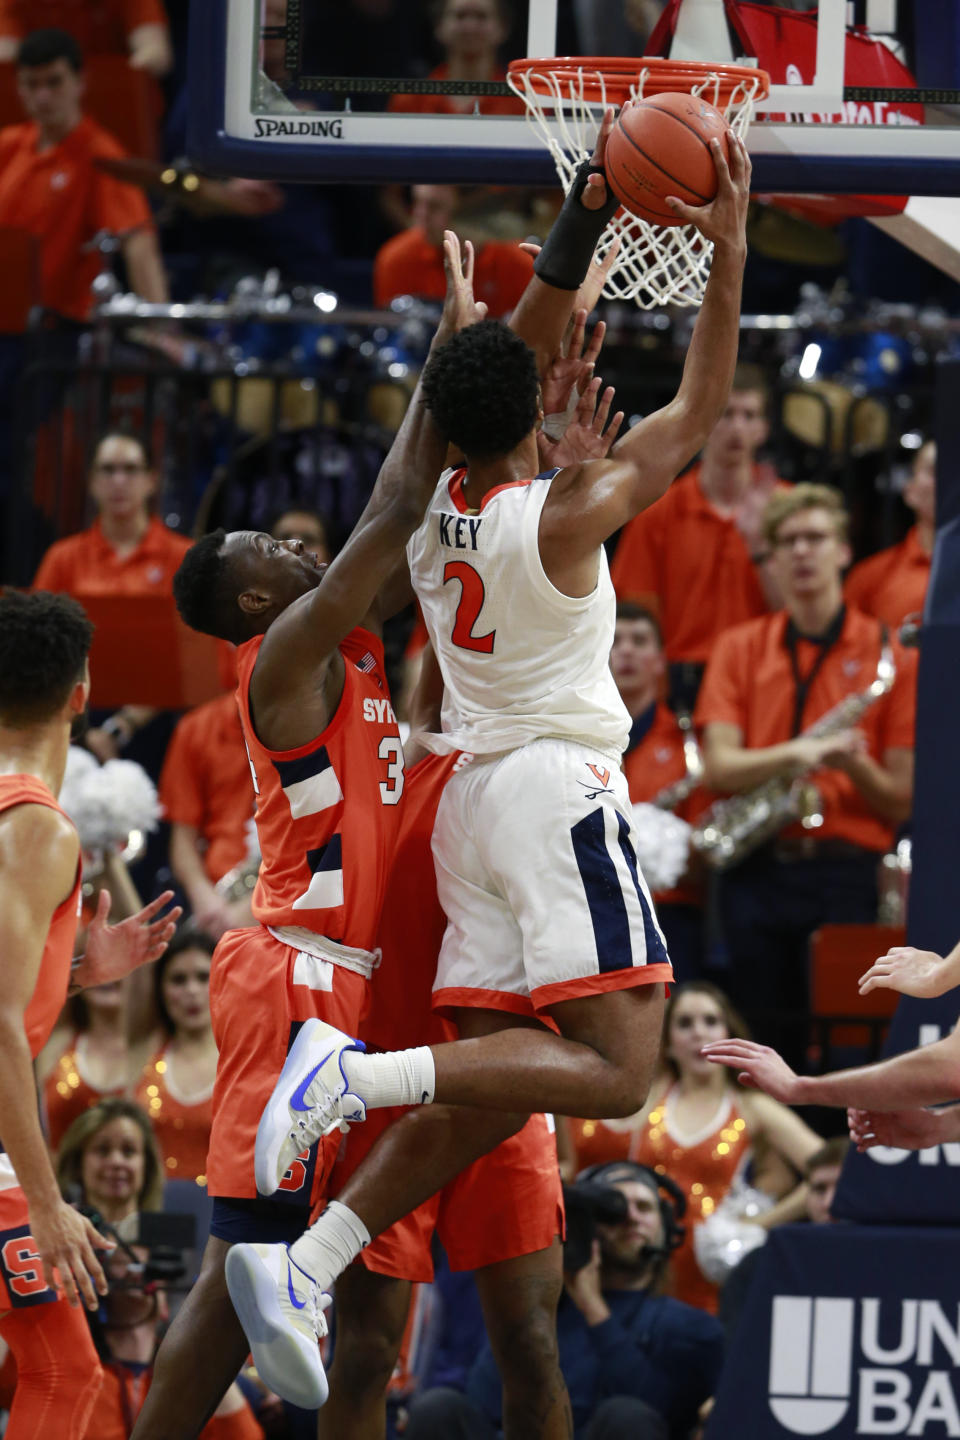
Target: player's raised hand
x=588, y=436
x=596, y=194
x=573, y=367
x=757, y=1066
x=67, y=1244
x=113, y=951
x=911, y=972
x=460, y=309
x=723, y=221
x=902, y=1129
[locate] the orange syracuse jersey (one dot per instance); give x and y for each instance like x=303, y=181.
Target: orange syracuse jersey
x=327, y=812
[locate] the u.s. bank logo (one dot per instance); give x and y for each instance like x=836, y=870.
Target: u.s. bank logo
x=891, y=1362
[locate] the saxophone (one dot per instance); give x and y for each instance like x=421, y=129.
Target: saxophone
x=733, y=828
x=672, y=795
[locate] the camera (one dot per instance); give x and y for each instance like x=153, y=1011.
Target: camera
x=588, y=1204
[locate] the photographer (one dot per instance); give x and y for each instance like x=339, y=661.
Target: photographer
x=109, y=1164
x=638, y=1364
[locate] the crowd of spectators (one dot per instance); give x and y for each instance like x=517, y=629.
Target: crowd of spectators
x=740, y=625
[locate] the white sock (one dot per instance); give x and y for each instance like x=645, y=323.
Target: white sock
x=399, y=1077
x=330, y=1244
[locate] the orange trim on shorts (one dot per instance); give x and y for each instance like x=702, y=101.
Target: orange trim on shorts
x=455, y=996
x=546, y=995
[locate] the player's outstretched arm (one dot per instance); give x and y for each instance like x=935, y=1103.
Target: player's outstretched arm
x=903, y=1129
x=927, y=1076
x=39, y=853
x=596, y=500
x=913, y=972
x=314, y=626
x=114, y=951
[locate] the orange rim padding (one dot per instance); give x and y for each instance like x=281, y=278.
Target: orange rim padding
x=620, y=73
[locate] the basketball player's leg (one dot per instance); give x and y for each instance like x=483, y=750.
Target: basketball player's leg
x=201, y=1354
x=371, y=1317
x=58, y=1371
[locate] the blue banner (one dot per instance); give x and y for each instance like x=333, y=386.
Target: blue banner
x=846, y=1331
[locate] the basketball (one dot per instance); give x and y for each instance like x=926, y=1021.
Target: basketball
x=661, y=147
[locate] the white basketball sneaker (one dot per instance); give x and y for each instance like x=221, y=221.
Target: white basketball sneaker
x=309, y=1099
x=281, y=1310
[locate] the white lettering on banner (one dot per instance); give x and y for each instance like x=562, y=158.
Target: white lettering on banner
x=812, y=1365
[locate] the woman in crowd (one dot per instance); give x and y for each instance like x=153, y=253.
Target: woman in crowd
x=110, y=1161
x=702, y=1132
x=176, y=1086
x=92, y=1060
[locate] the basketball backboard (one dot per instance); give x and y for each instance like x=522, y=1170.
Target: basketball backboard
x=307, y=89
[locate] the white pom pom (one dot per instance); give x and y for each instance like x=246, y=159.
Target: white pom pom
x=722, y=1240
x=107, y=802
x=662, y=842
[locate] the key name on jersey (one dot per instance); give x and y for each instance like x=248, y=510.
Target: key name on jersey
x=459, y=532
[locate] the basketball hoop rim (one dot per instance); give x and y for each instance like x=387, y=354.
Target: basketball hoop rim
x=612, y=78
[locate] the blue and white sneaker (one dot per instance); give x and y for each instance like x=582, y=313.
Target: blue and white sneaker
x=281, y=1310
x=310, y=1099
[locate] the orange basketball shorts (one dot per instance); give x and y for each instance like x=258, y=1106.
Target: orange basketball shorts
x=506, y=1204
x=261, y=992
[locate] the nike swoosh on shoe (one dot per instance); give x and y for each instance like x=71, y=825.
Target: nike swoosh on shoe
x=299, y=1095
x=298, y=1304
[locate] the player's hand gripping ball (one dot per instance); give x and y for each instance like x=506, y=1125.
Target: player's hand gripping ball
x=660, y=147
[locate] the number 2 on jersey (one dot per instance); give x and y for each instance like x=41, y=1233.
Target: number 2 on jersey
x=472, y=596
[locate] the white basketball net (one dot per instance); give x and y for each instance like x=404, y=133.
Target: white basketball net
x=656, y=265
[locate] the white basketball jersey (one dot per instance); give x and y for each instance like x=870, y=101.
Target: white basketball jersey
x=520, y=660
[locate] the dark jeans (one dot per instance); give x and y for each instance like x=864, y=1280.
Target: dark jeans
x=769, y=908
x=448, y=1415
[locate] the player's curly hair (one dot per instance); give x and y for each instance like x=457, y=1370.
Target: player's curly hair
x=482, y=390
x=44, y=643
x=205, y=590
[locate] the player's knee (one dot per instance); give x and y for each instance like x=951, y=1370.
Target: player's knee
x=527, y=1355
x=365, y=1361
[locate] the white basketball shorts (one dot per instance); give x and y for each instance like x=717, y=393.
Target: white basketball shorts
x=538, y=877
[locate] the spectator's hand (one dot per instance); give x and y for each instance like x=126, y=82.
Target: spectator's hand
x=757, y=1066
x=723, y=221
x=903, y=1129
x=811, y=752
x=67, y=1244
x=99, y=743
x=113, y=951
x=912, y=972
x=588, y=436
x=583, y=1287
x=213, y=914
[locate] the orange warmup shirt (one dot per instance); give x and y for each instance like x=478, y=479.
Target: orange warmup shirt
x=443, y=104
x=205, y=782
x=409, y=265
x=892, y=584
x=750, y=683
x=62, y=200
x=691, y=566
x=87, y=564
x=101, y=27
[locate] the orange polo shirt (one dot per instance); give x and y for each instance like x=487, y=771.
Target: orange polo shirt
x=87, y=564
x=893, y=583
x=443, y=104
x=690, y=564
x=409, y=265
x=63, y=200
x=205, y=782
x=749, y=683
x=100, y=27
